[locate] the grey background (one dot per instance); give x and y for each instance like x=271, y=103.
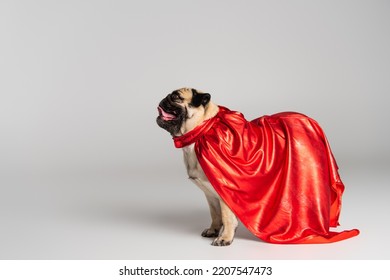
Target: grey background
x=85, y=173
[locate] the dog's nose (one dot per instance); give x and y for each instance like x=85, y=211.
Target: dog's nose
x=161, y=104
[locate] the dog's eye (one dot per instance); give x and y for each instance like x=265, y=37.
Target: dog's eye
x=176, y=97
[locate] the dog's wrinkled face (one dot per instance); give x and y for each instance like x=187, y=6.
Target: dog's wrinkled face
x=182, y=110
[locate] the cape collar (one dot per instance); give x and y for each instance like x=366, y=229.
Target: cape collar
x=193, y=135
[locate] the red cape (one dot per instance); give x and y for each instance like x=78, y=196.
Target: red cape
x=276, y=173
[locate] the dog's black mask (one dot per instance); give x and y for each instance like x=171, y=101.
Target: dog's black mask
x=171, y=115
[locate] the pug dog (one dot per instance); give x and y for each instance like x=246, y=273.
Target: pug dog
x=179, y=112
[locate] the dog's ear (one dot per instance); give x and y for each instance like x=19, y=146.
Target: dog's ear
x=200, y=98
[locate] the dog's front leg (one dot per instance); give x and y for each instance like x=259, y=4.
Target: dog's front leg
x=230, y=224
x=216, y=218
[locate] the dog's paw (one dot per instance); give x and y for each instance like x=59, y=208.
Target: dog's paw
x=220, y=241
x=208, y=232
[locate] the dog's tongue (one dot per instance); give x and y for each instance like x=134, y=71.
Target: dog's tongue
x=165, y=115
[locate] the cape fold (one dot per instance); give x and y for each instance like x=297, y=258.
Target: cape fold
x=276, y=173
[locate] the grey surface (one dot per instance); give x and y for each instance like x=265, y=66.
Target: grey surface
x=131, y=214
x=85, y=173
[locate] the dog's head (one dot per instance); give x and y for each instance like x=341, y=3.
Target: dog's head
x=183, y=109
